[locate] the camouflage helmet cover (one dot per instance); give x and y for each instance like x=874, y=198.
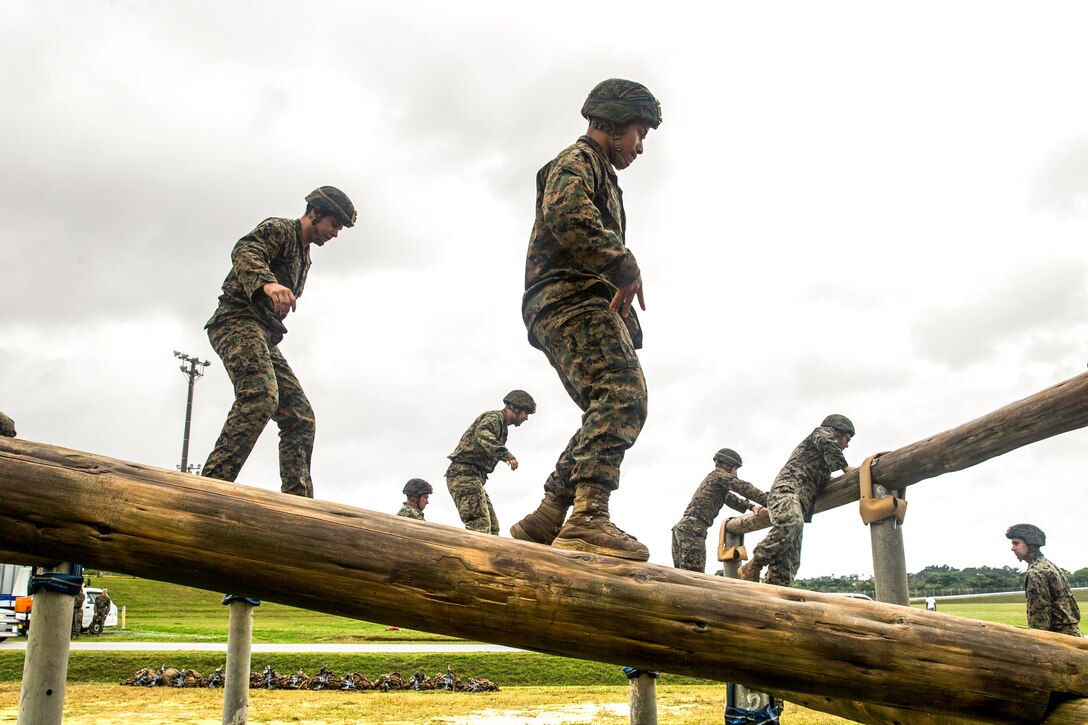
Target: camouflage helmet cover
x=330, y=200
x=7, y=426
x=838, y=422
x=1030, y=534
x=621, y=102
x=417, y=487
x=729, y=457
x=520, y=399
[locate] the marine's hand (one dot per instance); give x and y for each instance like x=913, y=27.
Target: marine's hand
x=513, y=463
x=756, y=508
x=621, y=301
x=848, y=469
x=283, y=299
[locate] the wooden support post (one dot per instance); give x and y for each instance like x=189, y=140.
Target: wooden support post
x=642, y=690
x=377, y=567
x=45, y=667
x=889, y=558
x=239, y=658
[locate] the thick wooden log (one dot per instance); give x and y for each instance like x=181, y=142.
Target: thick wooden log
x=1058, y=409
x=174, y=527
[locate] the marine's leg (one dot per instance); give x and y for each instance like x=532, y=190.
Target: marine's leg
x=244, y=348
x=493, y=518
x=688, y=551
x=295, y=418
x=467, y=490
x=543, y=524
x=594, y=357
x=782, y=552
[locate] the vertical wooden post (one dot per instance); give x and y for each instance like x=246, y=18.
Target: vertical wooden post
x=45, y=667
x=239, y=655
x=889, y=557
x=642, y=690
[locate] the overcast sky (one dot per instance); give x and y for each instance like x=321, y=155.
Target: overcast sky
x=871, y=209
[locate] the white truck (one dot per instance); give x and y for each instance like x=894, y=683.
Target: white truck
x=15, y=603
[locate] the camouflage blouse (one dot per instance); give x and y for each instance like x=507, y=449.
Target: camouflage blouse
x=577, y=256
x=718, y=489
x=1051, y=605
x=809, y=468
x=409, y=511
x=273, y=252
x=483, y=443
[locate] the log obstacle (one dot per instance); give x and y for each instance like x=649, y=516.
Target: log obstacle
x=64, y=505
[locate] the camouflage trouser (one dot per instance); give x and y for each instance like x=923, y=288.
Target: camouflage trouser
x=780, y=549
x=77, y=618
x=264, y=388
x=688, y=550
x=598, y=366
x=466, y=485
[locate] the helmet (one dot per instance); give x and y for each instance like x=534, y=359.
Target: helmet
x=1030, y=534
x=729, y=457
x=622, y=102
x=838, y=422
x=417, y=487
x=330, y=200
x=520, y=399
x=7, y=426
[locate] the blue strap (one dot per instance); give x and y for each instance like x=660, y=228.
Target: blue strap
x=228, y=598
x=633, y=672
x=52, y=581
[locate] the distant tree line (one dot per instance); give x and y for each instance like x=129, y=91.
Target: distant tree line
x=935, y=578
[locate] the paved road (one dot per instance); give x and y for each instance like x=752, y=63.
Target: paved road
x=437, y=647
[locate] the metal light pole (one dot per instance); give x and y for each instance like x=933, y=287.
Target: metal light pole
x=194, y=371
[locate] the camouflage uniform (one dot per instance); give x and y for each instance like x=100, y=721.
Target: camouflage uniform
x=1050, y=603
x=245, y=332
x=101, y=611
x=575, y=262
x=791, y=503
x=409, y=511
x=77, y=612
x=481, y=447
x=717, y=489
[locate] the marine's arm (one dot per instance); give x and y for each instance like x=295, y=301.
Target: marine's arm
x=1037, y=594
x=252, y=259
x=488, y=436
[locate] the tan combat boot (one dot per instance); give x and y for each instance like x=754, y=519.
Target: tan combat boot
x=542, y=525
x=589, y=528
x=750, y=571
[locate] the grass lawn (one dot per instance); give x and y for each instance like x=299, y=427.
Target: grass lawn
x=88, y=704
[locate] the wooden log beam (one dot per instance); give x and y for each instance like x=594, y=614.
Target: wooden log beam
x=1058, y=409
x=174, y=527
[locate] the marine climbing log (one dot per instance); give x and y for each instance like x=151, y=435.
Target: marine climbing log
x=1058, y=409
x=66, y=505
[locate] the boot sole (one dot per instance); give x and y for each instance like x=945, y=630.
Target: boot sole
x=585, y=547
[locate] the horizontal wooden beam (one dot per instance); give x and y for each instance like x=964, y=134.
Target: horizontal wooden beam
x=69, y=506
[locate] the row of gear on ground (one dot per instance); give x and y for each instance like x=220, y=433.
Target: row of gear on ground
x=324, y=680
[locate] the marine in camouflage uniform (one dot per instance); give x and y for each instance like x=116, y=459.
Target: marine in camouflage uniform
x=720, y=487
x=7, y=426
x=418, y=493
x=482, y=446
x=77, y=612
x=268, y=273
x=580, y=280
x=1050, y=603
x=792, y=500
x=101, y=611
